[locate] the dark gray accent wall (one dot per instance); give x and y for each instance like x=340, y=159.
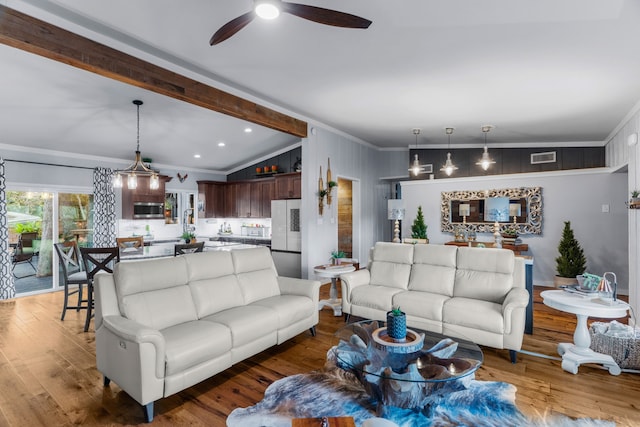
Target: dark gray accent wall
x=285, y=163
x=508, y=160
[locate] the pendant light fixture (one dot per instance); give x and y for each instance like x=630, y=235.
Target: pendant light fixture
x=137, y=168
x=415, y=167
x=485, y=161
x=449, y=167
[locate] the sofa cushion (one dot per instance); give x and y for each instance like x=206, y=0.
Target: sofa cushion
x=474, y=314
x=376, y=297
x=484, y=273
x=213, y=295
x=154, y=293
x=391, y=264
x=256, y=273
x=191, y=343
x=209, y=265
x=426, y=305
x=434, y=269
x=247, y=323
x=290, y=308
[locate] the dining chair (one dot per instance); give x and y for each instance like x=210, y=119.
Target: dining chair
x=130, y=242
x=96, y=260
x=72, y=273
x=187, y=248
x=20, y=255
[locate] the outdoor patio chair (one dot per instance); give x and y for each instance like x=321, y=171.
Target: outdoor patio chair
x=19, y=256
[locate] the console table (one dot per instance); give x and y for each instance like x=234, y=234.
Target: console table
x=573, y=355
x=517, y=249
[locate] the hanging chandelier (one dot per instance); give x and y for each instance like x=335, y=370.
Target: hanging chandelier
x=449, y=167
x=415, y=167
x=485, y=161
x=137, y=168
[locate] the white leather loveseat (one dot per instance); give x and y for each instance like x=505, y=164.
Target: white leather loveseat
x=164, y=325
x=476, y=294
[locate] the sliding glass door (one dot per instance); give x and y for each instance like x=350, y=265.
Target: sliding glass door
x=34, y=218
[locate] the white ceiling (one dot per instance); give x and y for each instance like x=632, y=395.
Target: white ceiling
x=549, y=71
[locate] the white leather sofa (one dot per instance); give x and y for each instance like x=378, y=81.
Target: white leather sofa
x=476, y=294
x=164, y=325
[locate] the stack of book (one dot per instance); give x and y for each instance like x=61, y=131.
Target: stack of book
x=511, y=240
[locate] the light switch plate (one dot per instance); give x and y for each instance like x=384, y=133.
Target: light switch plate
x=605, y=208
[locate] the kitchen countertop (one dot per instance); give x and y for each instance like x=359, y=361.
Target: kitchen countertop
x=162, y=250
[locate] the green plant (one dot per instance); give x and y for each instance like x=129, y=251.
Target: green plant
x=635, y=194
x=419, y=228
x=332, y=184
x=571, y=261
x=338, y=254
x=187, y=235
x=28, y=227
x=395, y=311
x=322, y=193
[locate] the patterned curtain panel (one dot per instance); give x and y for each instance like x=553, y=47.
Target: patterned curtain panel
x=7, y=286
x=104, y=209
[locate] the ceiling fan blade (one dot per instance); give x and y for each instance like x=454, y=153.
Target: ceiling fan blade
x=232, y=27
x=325, y=16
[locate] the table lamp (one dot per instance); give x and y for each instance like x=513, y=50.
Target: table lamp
x=514, y=211
x=464, y=210
x=395, y=210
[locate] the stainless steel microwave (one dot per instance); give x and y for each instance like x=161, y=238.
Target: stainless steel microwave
x=148, y=210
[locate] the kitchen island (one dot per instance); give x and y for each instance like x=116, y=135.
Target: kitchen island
x=162, y=250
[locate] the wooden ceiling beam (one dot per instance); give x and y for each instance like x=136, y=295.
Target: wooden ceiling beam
x=33, y=35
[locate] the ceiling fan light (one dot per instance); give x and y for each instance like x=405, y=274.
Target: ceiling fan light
x=267, y=9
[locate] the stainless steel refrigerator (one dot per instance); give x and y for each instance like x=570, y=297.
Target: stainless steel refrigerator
x=286, y=239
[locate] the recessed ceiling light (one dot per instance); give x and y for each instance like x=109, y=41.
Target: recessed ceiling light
x=248, y=130
x=221, y=144
x=197, y=156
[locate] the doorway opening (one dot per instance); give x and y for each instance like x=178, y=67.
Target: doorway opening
x=348, y=217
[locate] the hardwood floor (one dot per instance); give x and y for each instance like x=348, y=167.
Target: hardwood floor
x=48, y=375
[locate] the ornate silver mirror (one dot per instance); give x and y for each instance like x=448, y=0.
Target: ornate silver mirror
x=479, y=210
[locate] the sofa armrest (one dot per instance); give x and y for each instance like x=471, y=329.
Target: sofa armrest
x=129, y=330
x=516, y=298
x=350, y=281
x=302, y=287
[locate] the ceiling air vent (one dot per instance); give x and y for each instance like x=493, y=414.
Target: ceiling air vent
x=548, y=157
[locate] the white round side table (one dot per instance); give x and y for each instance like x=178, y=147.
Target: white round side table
x=576, y=353
x=333, y=272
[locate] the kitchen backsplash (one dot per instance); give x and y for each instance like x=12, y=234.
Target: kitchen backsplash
x=205, y=228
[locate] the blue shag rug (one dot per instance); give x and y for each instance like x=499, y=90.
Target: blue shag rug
x=332, y=392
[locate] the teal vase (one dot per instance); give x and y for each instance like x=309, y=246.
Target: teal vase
x=396, y=326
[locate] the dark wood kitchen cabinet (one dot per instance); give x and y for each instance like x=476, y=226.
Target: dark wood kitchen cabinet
x=242, y=199
x=288, y=186
x=141, y=194
x=212, y=193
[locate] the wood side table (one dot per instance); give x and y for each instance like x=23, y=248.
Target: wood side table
x=333, y=272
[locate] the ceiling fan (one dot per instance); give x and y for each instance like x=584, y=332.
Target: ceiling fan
x=270, y=9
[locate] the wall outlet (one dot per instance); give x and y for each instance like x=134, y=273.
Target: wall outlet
x=605, y=208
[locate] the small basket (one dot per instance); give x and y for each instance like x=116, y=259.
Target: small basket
x=625, y=351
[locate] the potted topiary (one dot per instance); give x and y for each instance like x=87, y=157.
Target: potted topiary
x=418, y=229
x=571, y=262
x=397, y=324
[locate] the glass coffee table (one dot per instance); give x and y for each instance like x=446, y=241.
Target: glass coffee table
x=413, y=374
